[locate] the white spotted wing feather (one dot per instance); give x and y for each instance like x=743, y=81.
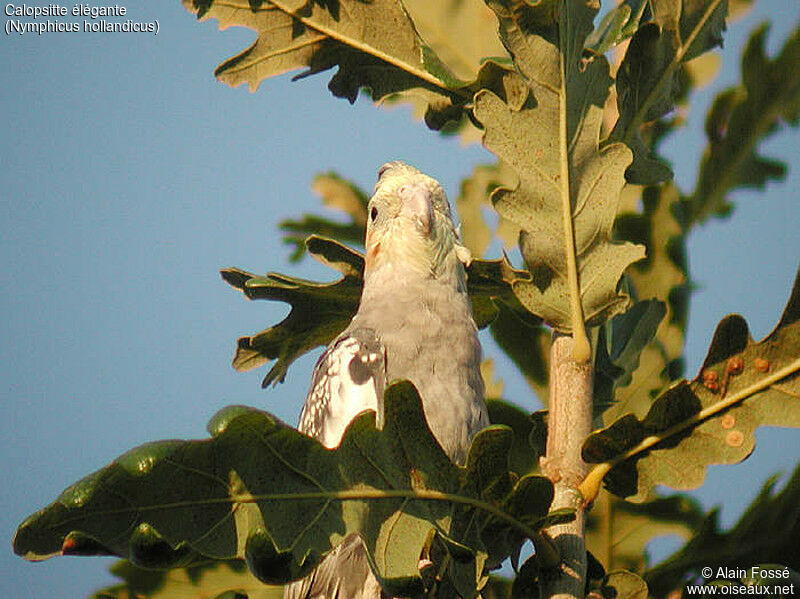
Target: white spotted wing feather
x=348, y=379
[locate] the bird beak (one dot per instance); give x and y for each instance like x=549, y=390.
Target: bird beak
x=417, y=205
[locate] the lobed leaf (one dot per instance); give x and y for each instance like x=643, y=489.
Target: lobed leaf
x=320, y=311
x=514, y=329
x=767, y=532
x=474, y=196
x=528, y=442
x=621, y=343
x=374, y=45
x=207, y=580
x=648, y=77
x=261, y=491
x=742, y=117
x=621, y=584
x=546, y=140
x=618, y=25
x=742, y=384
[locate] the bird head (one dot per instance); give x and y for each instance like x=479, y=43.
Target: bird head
x=409, y=225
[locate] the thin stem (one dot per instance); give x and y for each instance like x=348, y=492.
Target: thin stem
x=569, y=423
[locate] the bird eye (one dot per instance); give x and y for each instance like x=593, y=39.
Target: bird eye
x=373, y=213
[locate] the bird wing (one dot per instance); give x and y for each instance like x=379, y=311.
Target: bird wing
x=349, y=378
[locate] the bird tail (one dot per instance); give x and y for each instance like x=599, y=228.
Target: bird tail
x=343, y=574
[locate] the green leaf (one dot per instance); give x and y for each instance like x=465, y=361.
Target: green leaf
x=623, y=585
x=663, y=275
x=515, y=330
x=337, y=194
x=619, y=348
x=461, y=32
x=474, y=196
x=567, y=186
x=320, y=311
x=375, y=46
x=206, y=580
x=262, y=491
x=528, y=442
x=647, y=79
x=766, y=533
x=740, y=119
x=742, y=384
x=618, y=531
x=618, y=24
x=527, y=345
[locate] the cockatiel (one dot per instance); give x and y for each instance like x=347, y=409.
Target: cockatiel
x=414, y=322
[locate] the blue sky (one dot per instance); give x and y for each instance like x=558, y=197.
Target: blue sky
x=129, y=176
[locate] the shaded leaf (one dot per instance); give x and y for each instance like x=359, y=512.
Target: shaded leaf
x=648, y=77
x=552, y=144
x=767, y=532
x=337, y=194
x=620, y=345
x=740, y=119
x=527, y=345
x=663, y=275
x=262, y=491
x=202, y=581
x=320, y=311
x=528, y=442
x=618, y=531
x=742, y=384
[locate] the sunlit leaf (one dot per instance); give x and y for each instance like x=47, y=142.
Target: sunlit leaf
x=565, y=182
x=767, y=532
x=374, y=45
x=461, y=32
x=618, y=25
x=743, y=384
x=623, y=585
x=208, y=580
x=337, y=194
x=473, y=199
x=262, y=491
